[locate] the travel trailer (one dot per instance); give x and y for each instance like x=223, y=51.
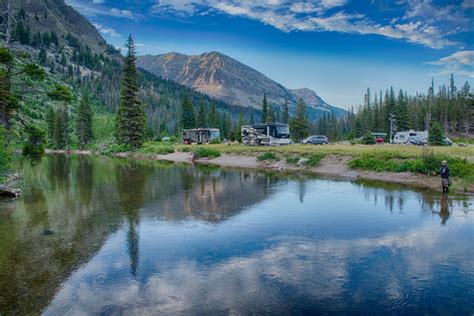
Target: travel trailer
x=200, y=135
x=273, y=134
x=407, y=136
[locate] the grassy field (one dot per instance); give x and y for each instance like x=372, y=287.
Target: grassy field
x=350, y=150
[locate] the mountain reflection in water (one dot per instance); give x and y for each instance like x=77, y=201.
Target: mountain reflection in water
x=133, y=237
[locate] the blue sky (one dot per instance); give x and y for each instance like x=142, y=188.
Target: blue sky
x=336, y=47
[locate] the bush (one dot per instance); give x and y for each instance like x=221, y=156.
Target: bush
x=268, y=156
x=157, y=148
x=116, y=148
x=215, y=141
x=203, y=152
x=368, y=139
x=36, y=142
x=428, y=163
x=292, y=159
x=314, y=159
x=5, y=154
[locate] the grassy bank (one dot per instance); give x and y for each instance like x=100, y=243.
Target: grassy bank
x=378, y=158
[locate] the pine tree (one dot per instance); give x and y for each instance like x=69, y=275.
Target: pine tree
x=264, y=118
x=238, y=127
x=299, y=124
x=271, y=114
x=286, y=115
x=84, y=122
x=436, y=135
x=212, y=118
x=201, y=119
x=188, y=120
x=61, y=128
x=50, y=122
x=252, y=116
x=401, y=112
x=131, y=117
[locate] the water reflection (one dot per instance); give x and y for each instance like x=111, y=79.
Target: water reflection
x=151, y=237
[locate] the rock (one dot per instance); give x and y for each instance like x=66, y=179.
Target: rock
x=462, y=145
x=9, y=192
x=121, y=155
x=302, y=162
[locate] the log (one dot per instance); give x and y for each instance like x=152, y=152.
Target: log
x=9, y=192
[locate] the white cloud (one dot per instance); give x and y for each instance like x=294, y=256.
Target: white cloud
x=419, y=25
x=98, y=1
x=121, y=13
x=460, y=63
x=106, y=30
x=467, y=4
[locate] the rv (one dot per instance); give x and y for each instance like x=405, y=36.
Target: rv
x=200, y=135
x=273, y=134
x=408, y=137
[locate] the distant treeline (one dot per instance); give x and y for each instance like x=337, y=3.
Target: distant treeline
x=450, y=106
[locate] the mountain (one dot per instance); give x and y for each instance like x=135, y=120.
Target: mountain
x=227, y=79
x=54, y=15
x=73, y=53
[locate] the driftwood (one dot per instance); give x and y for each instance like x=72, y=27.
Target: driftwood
x=9, y=192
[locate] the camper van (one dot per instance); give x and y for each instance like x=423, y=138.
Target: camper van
x=411, y=137
x=200, y=135
x=273, y=134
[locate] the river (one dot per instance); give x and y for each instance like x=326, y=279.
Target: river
x=93, y=235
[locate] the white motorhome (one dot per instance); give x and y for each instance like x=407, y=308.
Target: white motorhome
x=404, y=137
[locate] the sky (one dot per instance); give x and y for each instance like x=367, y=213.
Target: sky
x=338, y=48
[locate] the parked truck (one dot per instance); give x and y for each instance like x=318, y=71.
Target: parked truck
x=273, y=134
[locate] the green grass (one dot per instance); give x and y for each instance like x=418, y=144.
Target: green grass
x=268, y=156
x=157, y=148
x=206, y=152
x=427, y=163
x=314, y=159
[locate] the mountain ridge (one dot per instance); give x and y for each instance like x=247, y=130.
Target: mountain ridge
x=229, y=80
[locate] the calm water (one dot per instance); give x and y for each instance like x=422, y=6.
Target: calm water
x=100, y=236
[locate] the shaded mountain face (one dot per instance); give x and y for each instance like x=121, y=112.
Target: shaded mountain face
x=54, y=15
x=229, y=80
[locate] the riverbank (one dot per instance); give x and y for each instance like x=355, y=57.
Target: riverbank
x=350, y=162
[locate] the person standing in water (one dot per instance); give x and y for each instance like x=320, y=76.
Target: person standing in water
x=444, y=172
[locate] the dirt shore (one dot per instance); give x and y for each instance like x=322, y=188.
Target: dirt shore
x=335, y=166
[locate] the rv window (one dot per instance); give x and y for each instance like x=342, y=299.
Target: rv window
x=215, y=135
x=283, y=130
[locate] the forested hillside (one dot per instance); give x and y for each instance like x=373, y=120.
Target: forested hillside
x=52, y=35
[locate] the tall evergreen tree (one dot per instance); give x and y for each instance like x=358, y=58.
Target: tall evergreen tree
x=271, y=114
x=299, y=124
x=84, y=122
x=61, y=128
x=401, y=112
x=50, y=122
x=436, y=135
x=188, y=119
x=131, y=117
x=264, y=118
x=212, y=118
x=286, y=115
x=238, y=127
x=201, y=118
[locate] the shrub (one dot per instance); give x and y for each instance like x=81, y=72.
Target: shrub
x=157, y=148
x=116, y=148
x=5, y=154
x=314, y=159
x=202, y=152
x=368, y=139
x=215, y=141
x=36, y=141
x=292, y=159
x=268, y=156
